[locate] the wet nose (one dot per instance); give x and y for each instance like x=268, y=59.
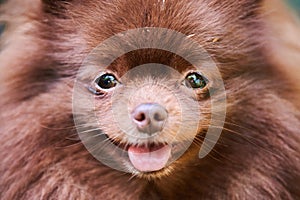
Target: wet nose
x=149, y=118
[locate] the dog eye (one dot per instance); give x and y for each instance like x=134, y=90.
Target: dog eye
x=195, y=80
x=106, y=81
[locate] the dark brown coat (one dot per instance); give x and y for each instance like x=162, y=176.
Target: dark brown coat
x=257, y=157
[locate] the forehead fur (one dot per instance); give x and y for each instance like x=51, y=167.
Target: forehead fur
x=66, y=31
x=227, y=28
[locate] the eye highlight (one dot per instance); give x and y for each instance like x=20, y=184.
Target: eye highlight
x=106, y=81
x=195, y=80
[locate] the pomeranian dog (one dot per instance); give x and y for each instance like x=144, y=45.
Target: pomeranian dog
x=106, y=99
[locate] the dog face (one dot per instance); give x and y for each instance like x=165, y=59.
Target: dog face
x=145, y=89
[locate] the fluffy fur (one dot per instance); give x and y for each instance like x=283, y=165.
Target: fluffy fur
x=257, y=157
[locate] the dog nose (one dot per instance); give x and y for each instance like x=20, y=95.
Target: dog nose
x=149, y=118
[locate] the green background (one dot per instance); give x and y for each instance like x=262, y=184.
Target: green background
x=295, y=4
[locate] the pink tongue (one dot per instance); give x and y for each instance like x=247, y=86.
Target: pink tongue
x=149, y=159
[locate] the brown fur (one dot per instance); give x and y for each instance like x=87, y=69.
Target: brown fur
x=257, y=157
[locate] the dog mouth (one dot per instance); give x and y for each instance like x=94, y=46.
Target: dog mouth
x=149, y=158
x=145, y=158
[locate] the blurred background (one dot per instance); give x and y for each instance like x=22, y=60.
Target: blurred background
x=295, y=4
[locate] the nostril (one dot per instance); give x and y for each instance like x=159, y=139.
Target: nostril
x=149, y=118
x=158, y=114
x=159, y=117
x=140, y=117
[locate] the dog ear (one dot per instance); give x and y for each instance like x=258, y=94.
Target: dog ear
x=55, y=7
x=55, y=2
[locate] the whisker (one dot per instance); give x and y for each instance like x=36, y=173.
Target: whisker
x=68, y=146
x=90, y=130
